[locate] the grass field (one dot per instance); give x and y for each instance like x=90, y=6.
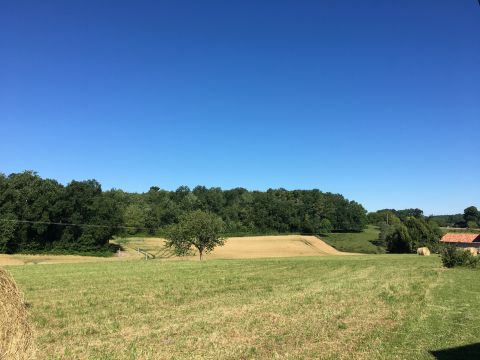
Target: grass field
x=332, y=307
x=362, y=242
x=459, y=230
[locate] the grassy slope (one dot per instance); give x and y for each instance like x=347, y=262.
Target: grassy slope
x=363, y=307
x=355, y=242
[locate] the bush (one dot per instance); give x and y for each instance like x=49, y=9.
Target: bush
x=411, y=234
x=472, y=225
x=399, y=240
x=452, y=257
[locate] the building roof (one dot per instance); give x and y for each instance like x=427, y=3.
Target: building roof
x=460, y=238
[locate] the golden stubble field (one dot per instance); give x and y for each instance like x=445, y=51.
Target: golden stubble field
x=247, y=247
x=273, y=246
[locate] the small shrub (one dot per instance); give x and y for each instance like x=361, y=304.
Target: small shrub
x=452, y=257
x=472, y=225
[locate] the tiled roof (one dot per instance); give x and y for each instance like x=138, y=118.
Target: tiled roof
x=461, y=238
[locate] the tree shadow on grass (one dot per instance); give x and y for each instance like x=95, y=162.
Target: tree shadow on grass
x=466, y=352
x=115, y=247
x=378, y=242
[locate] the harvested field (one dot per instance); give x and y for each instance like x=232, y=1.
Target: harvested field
x=273, y=246
x=235, y=248
x=247, y=247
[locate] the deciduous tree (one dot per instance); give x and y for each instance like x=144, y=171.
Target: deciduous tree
x=198, y=229
x=471, y=214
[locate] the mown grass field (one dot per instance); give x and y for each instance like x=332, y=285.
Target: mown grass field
x=362, y=242
x=459, y=230
x=332, y=307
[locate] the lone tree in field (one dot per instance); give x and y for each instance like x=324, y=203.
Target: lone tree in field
x=197, y=229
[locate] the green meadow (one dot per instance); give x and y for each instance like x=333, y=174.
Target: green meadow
x=356, y=307
x=357, y=242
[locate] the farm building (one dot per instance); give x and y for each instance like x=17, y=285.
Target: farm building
x=462, y=240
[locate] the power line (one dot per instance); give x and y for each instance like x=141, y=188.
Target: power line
x=69, y=224
x=107, y=226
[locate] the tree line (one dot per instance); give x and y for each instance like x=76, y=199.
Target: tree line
x=469, y=219
x=39, y=214
x=31, y=209
x=404, y=231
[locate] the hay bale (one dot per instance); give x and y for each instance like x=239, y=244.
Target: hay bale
x=472, y=250
x=16, y=334
x=423, y=251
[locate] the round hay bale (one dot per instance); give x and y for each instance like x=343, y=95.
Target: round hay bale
x=472, y=250
x=16, y=334
x=423, y=251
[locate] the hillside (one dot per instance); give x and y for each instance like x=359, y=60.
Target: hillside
x=359, y=242
x=245, y=247
x=273, y=246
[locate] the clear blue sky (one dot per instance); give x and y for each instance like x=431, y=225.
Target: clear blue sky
x=377, y=100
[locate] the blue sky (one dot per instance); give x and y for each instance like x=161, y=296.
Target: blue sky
x=376, y=100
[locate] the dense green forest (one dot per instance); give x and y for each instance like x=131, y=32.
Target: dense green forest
x=43, y=215
x=469, y=219
x=30, y=206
